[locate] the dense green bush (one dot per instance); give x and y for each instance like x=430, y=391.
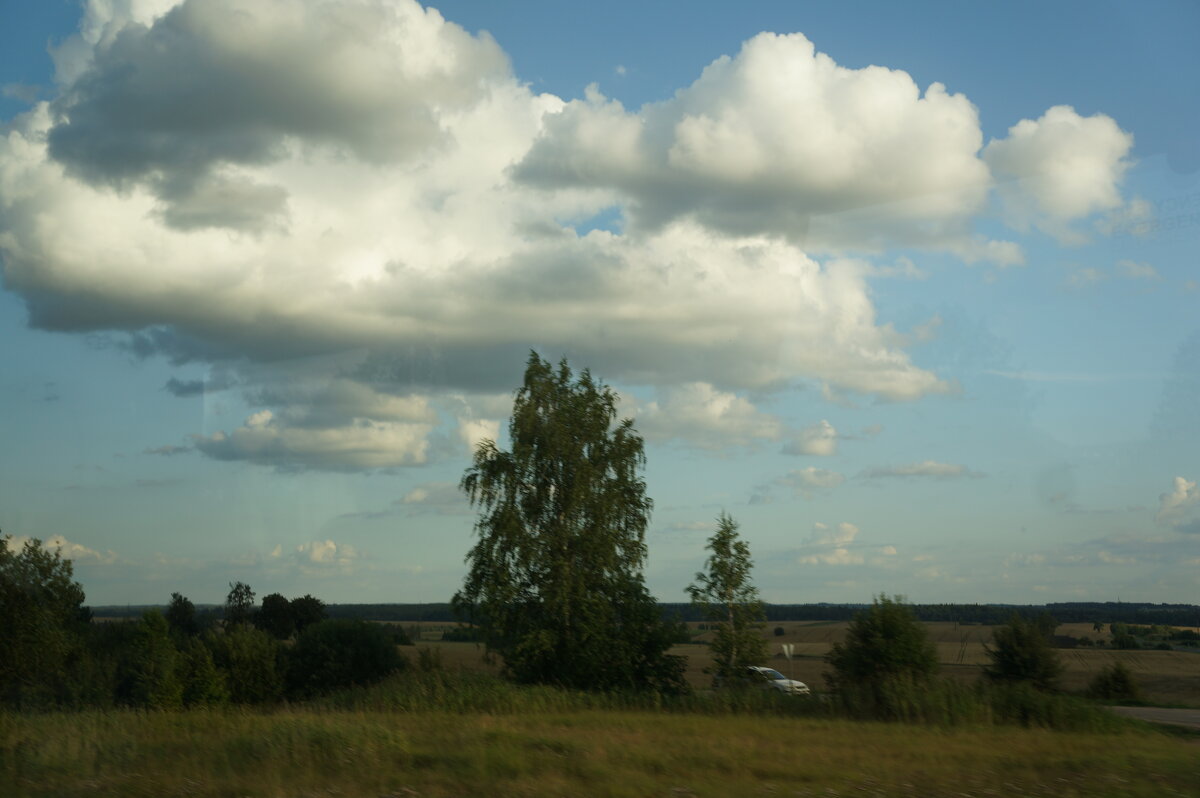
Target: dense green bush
x=1021, y=652
x=203, y=683
x=335, y=654
x=1114, y=682
x=250, y=659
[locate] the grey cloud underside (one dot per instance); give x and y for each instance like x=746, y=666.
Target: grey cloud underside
x=215, y=84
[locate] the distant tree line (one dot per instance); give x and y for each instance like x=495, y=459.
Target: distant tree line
x=984, y=614
x=52, y=653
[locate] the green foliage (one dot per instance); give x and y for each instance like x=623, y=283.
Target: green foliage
x=1114, y=682
x=727, y=597
x=239, y=604
x=275, y=617
x=555, y=579
x=42, y=623
x=181, y=616
x=884, y=643
x=462, y=634
x=779, y=631
x=335, y=654
x=250, y=659
x=1021, y=652
x=156, y=682
x=306, y=611
x=203, y=683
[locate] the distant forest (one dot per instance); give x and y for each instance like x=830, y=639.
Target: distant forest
x=1063, y=612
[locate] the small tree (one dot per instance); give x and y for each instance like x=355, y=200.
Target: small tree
x=555, y=578
x=1114, y=682
x=726, y=595
x=239, y=604
x=1021, y=652
x=156, y=682
x=181, y=616
x=42, y=622
x=275, y=617
x=306, y=611
x=203, y=683
x=886, y=648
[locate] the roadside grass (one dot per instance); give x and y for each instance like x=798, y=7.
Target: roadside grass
x=309, y=751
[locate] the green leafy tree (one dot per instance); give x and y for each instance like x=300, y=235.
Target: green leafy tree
x=156, y=678
x=726, y=596
x=885, y=650
x=555, y=579
x=1021, y=652
x=203, y=683
x=275, y=617
x=249, y=658
x=335, y=654
x=42, y=623
x=239, y=604
x=306, y=611
x=181, y=616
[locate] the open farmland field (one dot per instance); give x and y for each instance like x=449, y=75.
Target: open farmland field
x=1167, y=677
x=300, y=752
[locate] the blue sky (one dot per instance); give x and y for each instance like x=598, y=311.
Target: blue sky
x=911, y=292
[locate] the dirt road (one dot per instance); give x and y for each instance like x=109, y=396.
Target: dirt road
x=1176, y=717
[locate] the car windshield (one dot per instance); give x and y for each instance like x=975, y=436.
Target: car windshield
x=771, y=675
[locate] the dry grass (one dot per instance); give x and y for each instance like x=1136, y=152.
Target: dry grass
x=582, y=753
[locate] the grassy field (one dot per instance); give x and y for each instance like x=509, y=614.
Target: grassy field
x=302, y=752
x=457, y=731
x=1166, y=677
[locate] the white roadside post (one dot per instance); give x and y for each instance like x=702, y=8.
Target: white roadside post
x=788, y=648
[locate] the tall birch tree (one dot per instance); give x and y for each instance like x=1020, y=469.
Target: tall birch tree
x=555, y=579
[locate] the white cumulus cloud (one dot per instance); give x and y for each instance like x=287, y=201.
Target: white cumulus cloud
x=818, y=439
x=1059, y=168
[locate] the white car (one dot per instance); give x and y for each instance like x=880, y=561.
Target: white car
x=772, y=679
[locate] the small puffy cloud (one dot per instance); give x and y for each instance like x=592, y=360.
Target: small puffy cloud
x=68, y=550
x=819, y=439
x=1137, y=270
x=167, y=450
x=700, y=415
x=831, y=546
x=1176, y=505
x=474, y=431
x=1060, y=168
x=361, y=444
x=317, y=557
x=810, y=480
x=928, y=469
x=1085, y=276
x=441, y=498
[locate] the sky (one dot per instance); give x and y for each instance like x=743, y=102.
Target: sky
x=910, y=291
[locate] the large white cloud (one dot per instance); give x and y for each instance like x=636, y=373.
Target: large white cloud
x=780, y=139
x=242, y=182
x=1060, y=168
